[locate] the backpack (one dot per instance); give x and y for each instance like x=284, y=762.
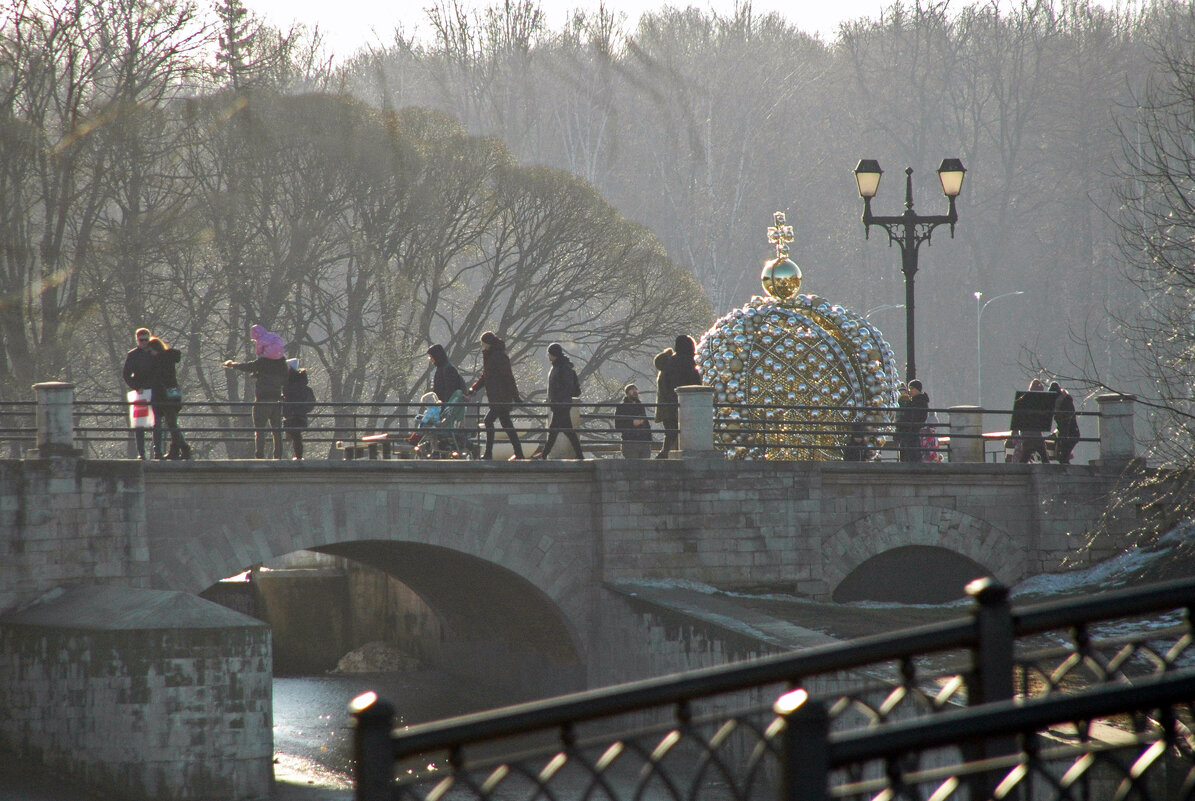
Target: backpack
x=576, y=393
x=298, y=400
x=306, y=400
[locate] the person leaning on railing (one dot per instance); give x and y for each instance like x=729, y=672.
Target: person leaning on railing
x=677, y=368
x=630, y=418
x=914, y=411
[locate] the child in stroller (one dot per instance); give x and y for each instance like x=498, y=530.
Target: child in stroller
x=440, y=435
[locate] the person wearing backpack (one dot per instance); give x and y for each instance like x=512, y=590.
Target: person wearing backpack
x=297, y=402
x=563, y=386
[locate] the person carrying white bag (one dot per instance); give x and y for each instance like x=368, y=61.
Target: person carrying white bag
x=138, y=375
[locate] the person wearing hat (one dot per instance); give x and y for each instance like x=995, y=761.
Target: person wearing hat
x=630, y=418
x=270, y=372
x=498, y=380
x=563, y=386
x=677, y=368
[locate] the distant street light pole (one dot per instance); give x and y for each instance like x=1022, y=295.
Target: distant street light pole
x=979, y=340
x=909, y=230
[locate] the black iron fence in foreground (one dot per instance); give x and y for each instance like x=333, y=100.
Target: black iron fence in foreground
x=1084, y=699
x=225, y=430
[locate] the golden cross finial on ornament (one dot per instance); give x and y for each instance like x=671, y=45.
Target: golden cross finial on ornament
x=780, y=235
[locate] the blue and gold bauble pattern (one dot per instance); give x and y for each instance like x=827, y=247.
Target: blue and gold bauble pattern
x=792, y=350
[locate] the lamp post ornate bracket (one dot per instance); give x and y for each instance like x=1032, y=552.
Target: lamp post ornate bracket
x=908, y=231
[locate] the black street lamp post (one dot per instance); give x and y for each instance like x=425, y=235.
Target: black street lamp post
x=909, y=230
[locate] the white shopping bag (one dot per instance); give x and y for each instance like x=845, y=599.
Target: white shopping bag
x=141, y=414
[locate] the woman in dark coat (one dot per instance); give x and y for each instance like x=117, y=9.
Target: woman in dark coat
x=562, y=386
x=677, y=368
x=914, y=411
x=498, y=380
x=630, y=418
x=1066, y=422
x=167, y=400
x=297, y=402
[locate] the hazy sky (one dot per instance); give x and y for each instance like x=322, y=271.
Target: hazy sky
x=348, y=24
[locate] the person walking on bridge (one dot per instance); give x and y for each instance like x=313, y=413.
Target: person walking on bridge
x=498, y=379
x=563, y=386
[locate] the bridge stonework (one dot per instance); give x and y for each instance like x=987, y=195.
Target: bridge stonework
x=513, y=557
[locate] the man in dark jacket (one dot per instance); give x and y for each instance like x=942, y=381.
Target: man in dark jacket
x=562, y=386
x=912, y=416
x=446, y=380
x=498, y=380
x=677, y=368
x=270, y=377
x=1066, y=422
x=630, y=418
x=138, y=375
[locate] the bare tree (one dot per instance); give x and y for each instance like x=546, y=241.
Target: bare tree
x=76, y=81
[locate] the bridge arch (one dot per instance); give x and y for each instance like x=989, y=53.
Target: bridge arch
x=927, y=529
x=507, y=583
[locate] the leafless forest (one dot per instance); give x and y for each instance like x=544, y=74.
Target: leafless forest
x=607, y=185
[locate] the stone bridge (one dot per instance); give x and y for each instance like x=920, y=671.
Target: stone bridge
x=513, y=557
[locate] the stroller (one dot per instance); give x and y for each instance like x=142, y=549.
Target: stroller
x=440, y=435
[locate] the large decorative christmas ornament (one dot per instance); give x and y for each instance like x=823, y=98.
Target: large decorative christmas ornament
x=793, y=373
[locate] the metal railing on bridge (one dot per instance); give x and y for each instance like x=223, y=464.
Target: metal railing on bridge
x=218, y=430
x=1083, y=699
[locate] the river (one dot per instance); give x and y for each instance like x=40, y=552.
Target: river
x=312, y=734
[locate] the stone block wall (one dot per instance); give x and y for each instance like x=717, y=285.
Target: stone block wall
x=65, y=521
x=154, y=695
x=806, y=525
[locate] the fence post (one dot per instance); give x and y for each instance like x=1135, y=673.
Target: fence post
x=966, y=430
x=373, y=751
x=994, y=655
x=991, y=672
x=696, y=421
x=805, y=750
x=1117, y=443
x=55, y=421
